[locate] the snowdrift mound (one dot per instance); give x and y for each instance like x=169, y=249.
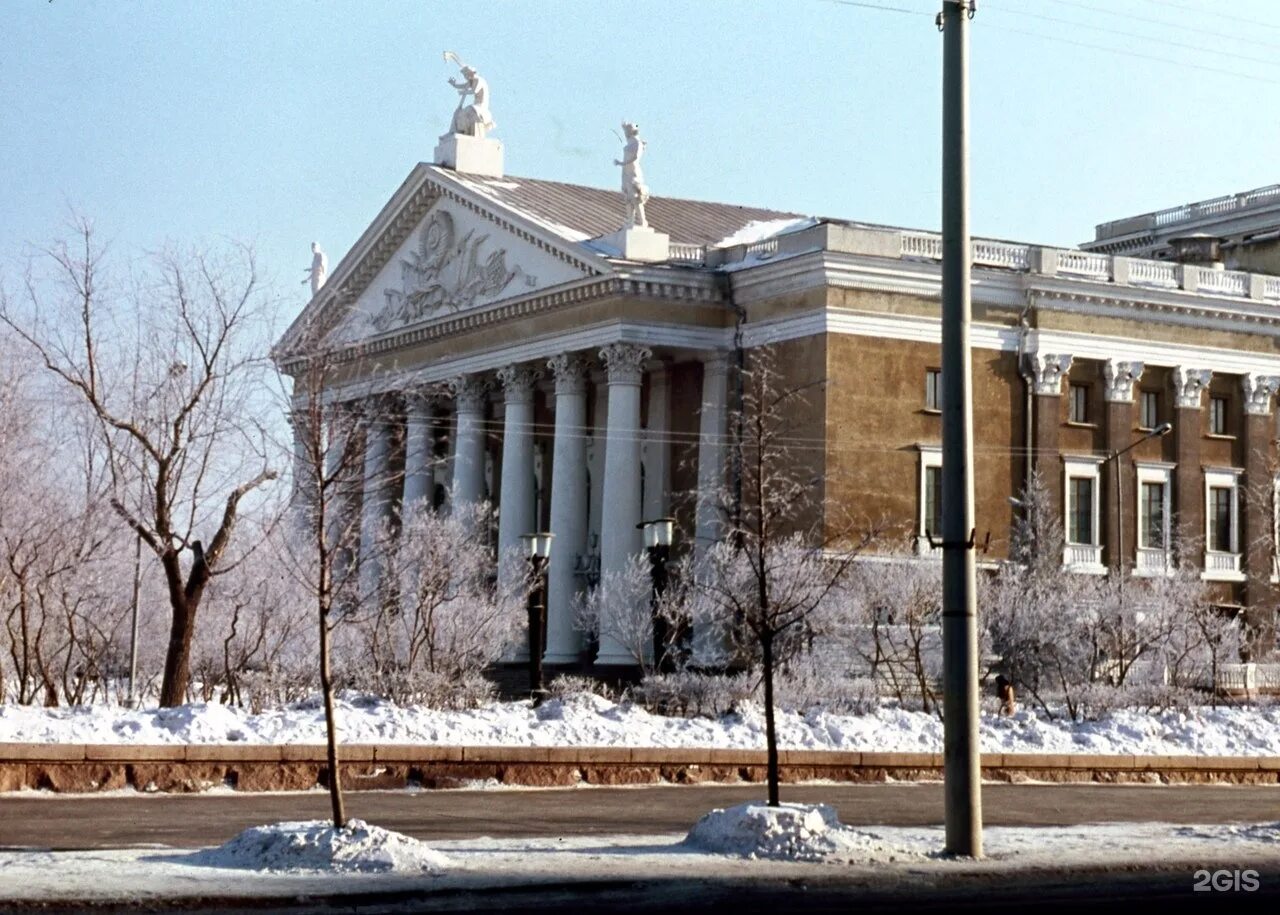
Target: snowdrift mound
x=314, y=845
x=790, y=832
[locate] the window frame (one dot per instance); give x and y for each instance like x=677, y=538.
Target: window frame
x=930, y=458
x=1082, y=556
x=1146, y=422
x=1081, y=390
x=933, y=390
x=1219, y=415
x=1146, y=473
x=1222, y=565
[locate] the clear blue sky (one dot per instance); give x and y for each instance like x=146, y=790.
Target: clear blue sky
x=283, y=122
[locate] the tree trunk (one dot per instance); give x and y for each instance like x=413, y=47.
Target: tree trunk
x=330, y=726
x=770, y=730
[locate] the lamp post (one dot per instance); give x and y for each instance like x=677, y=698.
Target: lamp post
x=1159, y=431
x=658, y=535
x=537, y=547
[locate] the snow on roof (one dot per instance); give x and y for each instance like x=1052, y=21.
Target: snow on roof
x=760, y=229
x=576, y=212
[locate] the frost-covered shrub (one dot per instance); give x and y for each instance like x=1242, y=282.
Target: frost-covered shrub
x=694, y=694
x=806, y=684
x=566, y=686
x=438, y=619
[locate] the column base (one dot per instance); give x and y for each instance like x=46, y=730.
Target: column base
x=563, y=659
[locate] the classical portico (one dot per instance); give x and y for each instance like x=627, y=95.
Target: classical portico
x=567, y=355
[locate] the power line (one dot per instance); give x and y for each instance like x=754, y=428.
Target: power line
x=1267, y=61
x=1195, y=29
x=1124, y=52
x=879, y=7
x=1216, y=13
x=1236, y=74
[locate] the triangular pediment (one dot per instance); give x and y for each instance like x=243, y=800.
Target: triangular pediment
x=439, y=249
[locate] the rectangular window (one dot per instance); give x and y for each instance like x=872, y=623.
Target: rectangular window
x=1151, y=532
x=1149, y=409
x=1079, y=403
x=1220, y=499
x=933, y=501
x=933, y=389
x=1080, y=510
x=1218, y=416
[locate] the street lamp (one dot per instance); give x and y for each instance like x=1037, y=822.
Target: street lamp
x=1158, y=432
x=537, y=548
x=658, y=535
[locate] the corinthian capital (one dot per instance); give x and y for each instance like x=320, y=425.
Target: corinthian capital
x=1120, y=376
x=517, y=382
x=1189, y=385
x=570, y=373
x=624, y=362
x=1048, y=370
x=1257, y=392
x=469, y=393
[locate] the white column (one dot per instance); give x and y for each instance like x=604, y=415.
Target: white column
x=569, y=507
x=657, y=447
x=470, y=394
x=304, y=474
x=713, y=429
x=619, y=538
x=419, y=479
x=516, y=498
x=376, y=500
x=340, y=459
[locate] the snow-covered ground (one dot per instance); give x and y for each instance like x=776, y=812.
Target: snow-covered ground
x=788, y=832
x=590, y=721
x=899, y=857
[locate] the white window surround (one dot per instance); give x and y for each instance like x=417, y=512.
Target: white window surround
x=930, y=456
x=1220, y=565
x=1085, y=558
x=1149, y=562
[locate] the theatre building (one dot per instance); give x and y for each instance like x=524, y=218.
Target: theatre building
x=567, y=353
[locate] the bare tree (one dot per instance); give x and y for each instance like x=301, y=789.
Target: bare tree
x=170, y=373
x=894, y=611
x=441, y=618
x=766, y=590
x=328, y=459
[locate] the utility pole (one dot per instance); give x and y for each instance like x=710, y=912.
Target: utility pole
x=962, y=773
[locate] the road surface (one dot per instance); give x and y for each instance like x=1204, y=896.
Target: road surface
x=68, y=822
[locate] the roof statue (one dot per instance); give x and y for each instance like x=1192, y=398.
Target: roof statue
x=634, y=191
x=318, y=270
x=474, y=119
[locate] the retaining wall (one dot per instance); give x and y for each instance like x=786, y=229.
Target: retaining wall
x=181, y=768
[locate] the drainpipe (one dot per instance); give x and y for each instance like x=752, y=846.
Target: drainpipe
x=1024, y=369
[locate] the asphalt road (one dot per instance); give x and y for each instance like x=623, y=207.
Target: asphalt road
x=67, y=822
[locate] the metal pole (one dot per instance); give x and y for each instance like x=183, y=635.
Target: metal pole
x=132, y=699
x=962, y=773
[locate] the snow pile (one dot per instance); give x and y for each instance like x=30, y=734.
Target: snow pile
x=760, y=229
x=586, y=720
x=790, y=832
x=314, y=845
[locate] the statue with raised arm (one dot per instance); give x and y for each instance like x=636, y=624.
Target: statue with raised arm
x=473, y=119
x=635, y=193
x=318, y=270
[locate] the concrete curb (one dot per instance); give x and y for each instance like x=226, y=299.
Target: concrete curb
x=249, y=767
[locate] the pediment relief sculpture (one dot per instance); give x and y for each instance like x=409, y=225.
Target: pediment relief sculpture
x=446, y=273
